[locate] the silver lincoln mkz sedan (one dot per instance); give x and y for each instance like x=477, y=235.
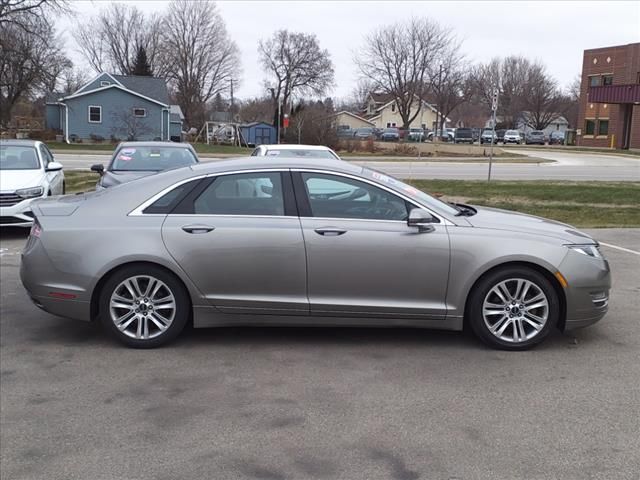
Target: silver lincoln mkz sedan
x=300, y=242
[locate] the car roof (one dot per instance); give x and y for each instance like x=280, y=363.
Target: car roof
x=252, y=163
x=155, y=144
x=294, y=147
x=20, y=143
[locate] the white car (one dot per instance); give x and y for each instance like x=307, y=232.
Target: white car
x=27, y=171
x=512, y=136
x=298, y=151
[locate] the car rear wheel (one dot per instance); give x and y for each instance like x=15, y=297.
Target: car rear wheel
x=513, y=308
x=144, y=306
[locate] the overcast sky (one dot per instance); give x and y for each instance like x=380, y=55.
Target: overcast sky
x=554, y=32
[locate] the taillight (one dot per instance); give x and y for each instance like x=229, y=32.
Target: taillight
x=36, y=229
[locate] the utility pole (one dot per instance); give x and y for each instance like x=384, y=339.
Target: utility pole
x=273, y=95
x=494, y=107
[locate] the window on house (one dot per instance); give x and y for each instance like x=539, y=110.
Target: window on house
x=603, y=127
x=139, y=112
x=594, y=81
x=393, y=107
x=105, y=83
x=393, y=125
x=607, y=80
x=388, y=124
x=95, y=114
x=589, y=127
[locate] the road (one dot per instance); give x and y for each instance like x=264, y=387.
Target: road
x=324, y=403
x=567, y=166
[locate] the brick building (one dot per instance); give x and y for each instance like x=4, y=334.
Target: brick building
x=609, y=113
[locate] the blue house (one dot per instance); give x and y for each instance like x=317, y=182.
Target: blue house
x=258, y=133
x=116, y=107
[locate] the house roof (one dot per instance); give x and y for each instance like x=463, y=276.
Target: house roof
x=152, y=87
x=381, y=97
x=253, y=124
x=352, y=115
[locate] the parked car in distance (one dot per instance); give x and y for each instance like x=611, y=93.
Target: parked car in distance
x=512, y=136
x=416, y=135
x=534, y=137
x=447, y=136
x=133, y=160
x=500, y=135
x=463, y=135
x=476, y=134
x=344, y=131
x=28, y=171
x=556, y=138
x=364, y=133
x=390, y=135
x=487, y=136
x=305, y=242
x=295, y=151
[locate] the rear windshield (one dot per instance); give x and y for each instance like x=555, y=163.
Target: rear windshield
x=464, y=132
x=300, y=153
x=13, y=157
x=152, y=159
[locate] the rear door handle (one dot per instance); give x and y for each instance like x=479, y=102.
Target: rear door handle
x=198, y=228
x=330, y=231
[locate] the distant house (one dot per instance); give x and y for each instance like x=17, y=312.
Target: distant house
x=349, y=121
x=558, y=124
x=117, y=107
x=382, y=111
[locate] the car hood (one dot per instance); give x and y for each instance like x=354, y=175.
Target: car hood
x=111, y=179
x=497, y=219
x=12, y=180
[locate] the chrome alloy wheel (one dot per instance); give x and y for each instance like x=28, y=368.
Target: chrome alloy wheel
x=515, y=310
x=142, y=307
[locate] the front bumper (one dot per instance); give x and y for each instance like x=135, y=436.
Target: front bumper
x=18, y=215
x=587, y=292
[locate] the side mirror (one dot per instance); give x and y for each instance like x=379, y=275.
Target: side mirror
x=54, y=167
x=422, y=219
x=98, y=168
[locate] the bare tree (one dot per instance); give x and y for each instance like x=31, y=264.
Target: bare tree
x=29, y=61
x=126, y=125
x=24, y=14
x=203, y=60
x=401, y=58
x=542, y=100
x=256, y=110
x=295, y=65
x=570, y=100
x=112, y=39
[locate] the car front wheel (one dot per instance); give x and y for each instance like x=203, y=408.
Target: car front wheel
x=513, y=308
x=144, y=306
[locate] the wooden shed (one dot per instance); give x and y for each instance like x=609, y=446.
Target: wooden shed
x=258, y=133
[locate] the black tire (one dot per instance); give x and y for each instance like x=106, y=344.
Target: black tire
x=173, y=284
x=474, y=315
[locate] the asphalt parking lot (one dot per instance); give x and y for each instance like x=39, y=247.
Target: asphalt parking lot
x=325, y=403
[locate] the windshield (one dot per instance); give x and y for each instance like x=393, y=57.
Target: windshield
x=512, y=132
x=537, y=132
x=409, y=191
x=14, y=157
x=297, y=153
x=152, y=159
x=365, y=130
x=390, y=130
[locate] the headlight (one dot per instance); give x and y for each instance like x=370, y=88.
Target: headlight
x=589, y=250
x=30, y=192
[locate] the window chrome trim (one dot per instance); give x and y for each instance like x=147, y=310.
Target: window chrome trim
x=443, y=220
x=137, y=212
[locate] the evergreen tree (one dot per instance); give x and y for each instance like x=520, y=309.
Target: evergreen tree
x=141, y=65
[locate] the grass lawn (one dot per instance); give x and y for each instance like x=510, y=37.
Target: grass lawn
x=107, y=147
x=583, y=204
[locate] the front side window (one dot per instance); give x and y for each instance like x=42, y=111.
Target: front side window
x=95, y=114
x=332, y=196
x=46, y=155
x=603, y=127
x=242, y=194
x=18, y=158
x=589, y=127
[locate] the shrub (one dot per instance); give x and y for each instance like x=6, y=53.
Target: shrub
x=43, y=135
x=96, y=138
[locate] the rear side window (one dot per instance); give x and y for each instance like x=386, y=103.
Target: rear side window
x=168, y=201
x=242, y=194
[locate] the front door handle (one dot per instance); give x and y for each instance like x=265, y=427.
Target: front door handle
x=330, y=231
x=198, y=228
